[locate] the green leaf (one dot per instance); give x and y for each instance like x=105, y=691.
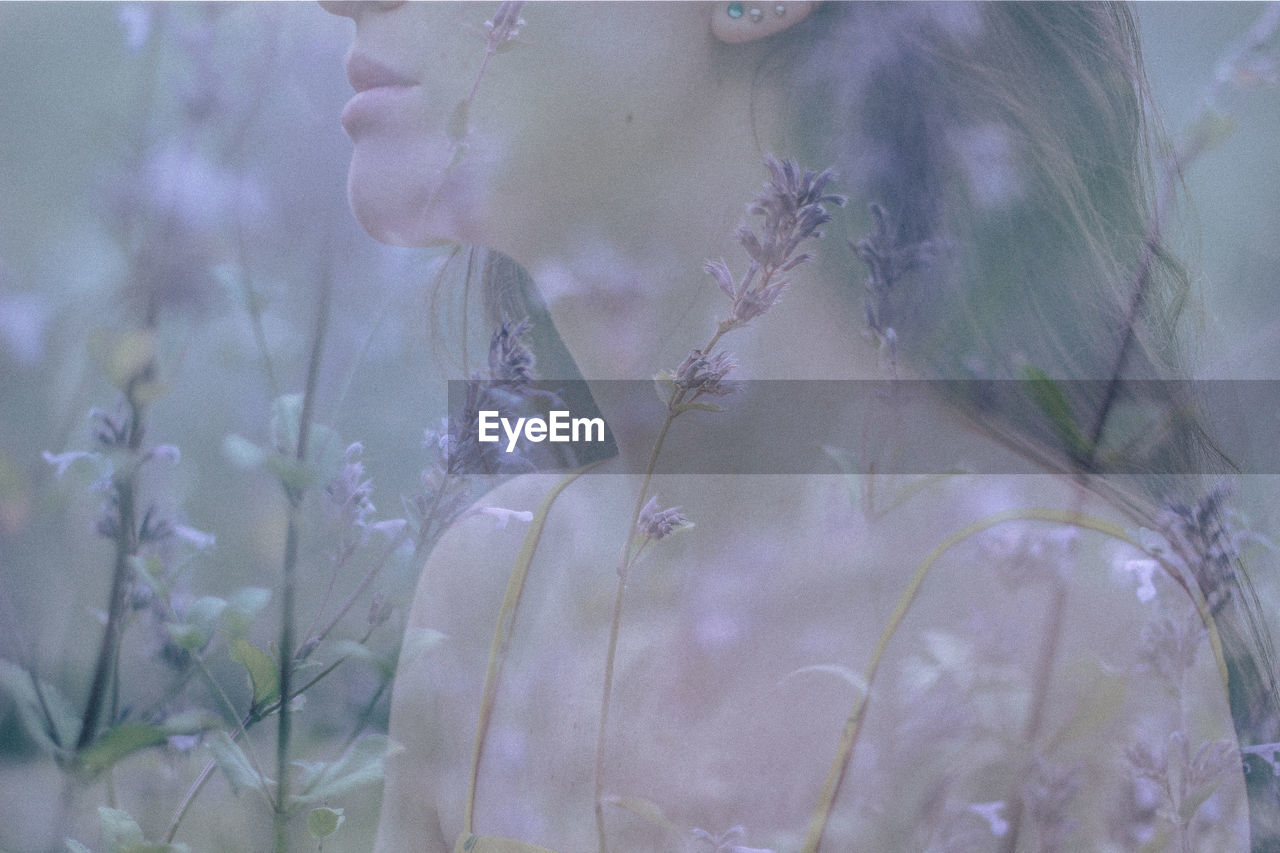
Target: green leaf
x=119, y=830
x=1050, y=399
x=243, y=453
x=231, y=759
x=264, y=674
x=296, y=476
x=205, y=612
x=119, y=742
x=198, y=623
x=284, y=423
x=148, y=570
x=323, y=822
x=243, y=607
x=17, y=685
x=459, y=121
x=324, y=446
x=351, y=649
x=360, y=765
x=187, y=637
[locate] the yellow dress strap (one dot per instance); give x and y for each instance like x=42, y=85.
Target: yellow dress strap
x=468, y=843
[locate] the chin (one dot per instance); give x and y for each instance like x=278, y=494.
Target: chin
x=396, y=195
x=386, y=196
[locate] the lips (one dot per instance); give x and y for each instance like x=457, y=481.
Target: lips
x=381, y=94
x=365, y=74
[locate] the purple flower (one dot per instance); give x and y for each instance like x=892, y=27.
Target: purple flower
x=510, y=359
x=792, y=205
x=657, y=523
x=504, y=26
x=704, y=374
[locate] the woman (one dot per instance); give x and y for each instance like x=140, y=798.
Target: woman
x=696, y=692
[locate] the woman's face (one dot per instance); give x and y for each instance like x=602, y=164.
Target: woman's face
x=585, y=114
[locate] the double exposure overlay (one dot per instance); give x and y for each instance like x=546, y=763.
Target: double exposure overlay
x=729, y=427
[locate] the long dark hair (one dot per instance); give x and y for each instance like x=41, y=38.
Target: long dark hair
x=1017, y=171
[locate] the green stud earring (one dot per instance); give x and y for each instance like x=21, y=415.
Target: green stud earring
x=735, y=10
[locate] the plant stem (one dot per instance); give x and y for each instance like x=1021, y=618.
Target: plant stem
x=126, y=545
x=502, y=635
x=1039, y=699
x=187, y=801
x=368, y=578
x=605, y=699
x=110, y=645
x=624, y=567
x=284, y=729
x=289, y=584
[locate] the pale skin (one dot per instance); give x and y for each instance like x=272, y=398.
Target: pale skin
x=609, y=154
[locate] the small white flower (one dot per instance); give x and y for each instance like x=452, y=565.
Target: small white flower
x=1145, y=571
x=990, y=812
x=502, y=516
x=197, y=539
x=390, y=528
x=62, y=461
x=166, y=453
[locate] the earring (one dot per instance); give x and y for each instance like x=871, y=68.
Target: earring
x=755, y=13
x=742, y=22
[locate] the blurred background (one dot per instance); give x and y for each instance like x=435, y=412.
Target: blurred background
x=182, y=166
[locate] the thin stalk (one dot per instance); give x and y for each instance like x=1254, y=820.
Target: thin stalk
x=1039, y=697
x=605, y=700
x=502, y=635
x=230, y=708
x=253, y=305
x=126, y=546
x=245, y=723
x=283, y=728
x=290, y=567
x=362, y=719
x=368, y=578
x=1039, y=700
x=187, y=801
x=676, y=398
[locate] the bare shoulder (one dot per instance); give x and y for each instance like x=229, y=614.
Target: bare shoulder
x=459, y=591
x=470, y=564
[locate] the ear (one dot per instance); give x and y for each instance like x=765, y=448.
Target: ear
x=749, y=20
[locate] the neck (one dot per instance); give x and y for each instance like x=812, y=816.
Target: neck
x=624, y=323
